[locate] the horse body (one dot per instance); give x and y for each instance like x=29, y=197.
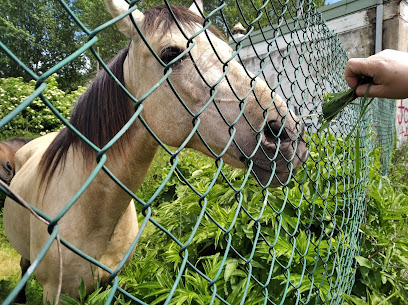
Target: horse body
x=109, y=230
x=103, y=222
x=7, y=151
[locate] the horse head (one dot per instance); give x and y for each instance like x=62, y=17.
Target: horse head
x=7, y=151
x=236, y=115
x=6, y=162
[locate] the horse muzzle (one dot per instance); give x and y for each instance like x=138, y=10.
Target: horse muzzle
x=6, y=171
x=281, y=152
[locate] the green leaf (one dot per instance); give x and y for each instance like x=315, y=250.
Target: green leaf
x=364, y=262
x=159, y=299
x=182, y=299
x=98, y=297
x=197, y=173
x=82, y=291
x=230, y=267
x=67, y=300
x=352, y=299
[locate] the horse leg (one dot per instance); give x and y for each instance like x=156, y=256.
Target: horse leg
x=21, y=297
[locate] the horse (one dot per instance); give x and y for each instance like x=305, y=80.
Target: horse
x=220, y=109
x=8, y=149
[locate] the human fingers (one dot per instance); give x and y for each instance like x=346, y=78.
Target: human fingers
x=356, y=69
x=375, y=90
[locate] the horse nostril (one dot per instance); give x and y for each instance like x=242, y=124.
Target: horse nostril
x=274, y=130
x=9, y=166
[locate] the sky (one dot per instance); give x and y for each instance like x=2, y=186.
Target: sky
x=331, y=1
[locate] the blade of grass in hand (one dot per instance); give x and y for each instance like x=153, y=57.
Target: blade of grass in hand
x=364, y=107
x=358, y=156
x=363, y=110
x=334, y=103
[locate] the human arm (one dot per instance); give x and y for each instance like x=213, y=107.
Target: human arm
x=388, y=69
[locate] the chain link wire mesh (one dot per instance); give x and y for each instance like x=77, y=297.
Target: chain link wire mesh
x=384, y=131
x=210, y=234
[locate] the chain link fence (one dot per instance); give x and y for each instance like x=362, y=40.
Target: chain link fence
x=211, y=234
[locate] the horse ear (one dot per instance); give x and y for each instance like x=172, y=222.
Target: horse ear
x=125, y=25
x=197, y=6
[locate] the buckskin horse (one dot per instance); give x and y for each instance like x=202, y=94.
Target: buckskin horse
x=237, y=115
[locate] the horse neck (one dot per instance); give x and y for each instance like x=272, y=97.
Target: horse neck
x=129, y=165
x=129, y=161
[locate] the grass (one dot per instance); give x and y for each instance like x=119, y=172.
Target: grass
x=10, y=272
x=9, y=264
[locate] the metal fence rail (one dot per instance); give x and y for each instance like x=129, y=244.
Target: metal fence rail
x=210, y=234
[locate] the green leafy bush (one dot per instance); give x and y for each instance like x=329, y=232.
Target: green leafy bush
x=306, y=237
x=382, y=275
x=319, y=229
x=37, y=118
x=399, y=167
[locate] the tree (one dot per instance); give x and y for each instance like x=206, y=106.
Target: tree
x=41, y=34
x=93, y=13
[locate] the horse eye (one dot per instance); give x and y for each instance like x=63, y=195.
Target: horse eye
x=170, y=53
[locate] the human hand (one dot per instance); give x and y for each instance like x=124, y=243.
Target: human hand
x=388, y=69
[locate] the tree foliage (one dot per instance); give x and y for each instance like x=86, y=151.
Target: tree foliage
x=41, y=34
x=36, y=119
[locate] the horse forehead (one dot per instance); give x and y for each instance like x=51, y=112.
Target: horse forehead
x=173, y=36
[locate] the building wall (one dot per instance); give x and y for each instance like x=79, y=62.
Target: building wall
x=355, y=23
x=402, y=105
x=401, y=121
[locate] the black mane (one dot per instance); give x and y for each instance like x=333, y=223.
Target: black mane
x=98, y=114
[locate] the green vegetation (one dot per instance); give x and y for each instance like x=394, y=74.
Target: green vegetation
x=41, y=34
x=36, y=119
x=9, y=263
x=381, y=265
x=299, y=225
x=382, y=275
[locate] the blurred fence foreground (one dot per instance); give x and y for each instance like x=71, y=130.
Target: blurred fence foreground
x=211, y=234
